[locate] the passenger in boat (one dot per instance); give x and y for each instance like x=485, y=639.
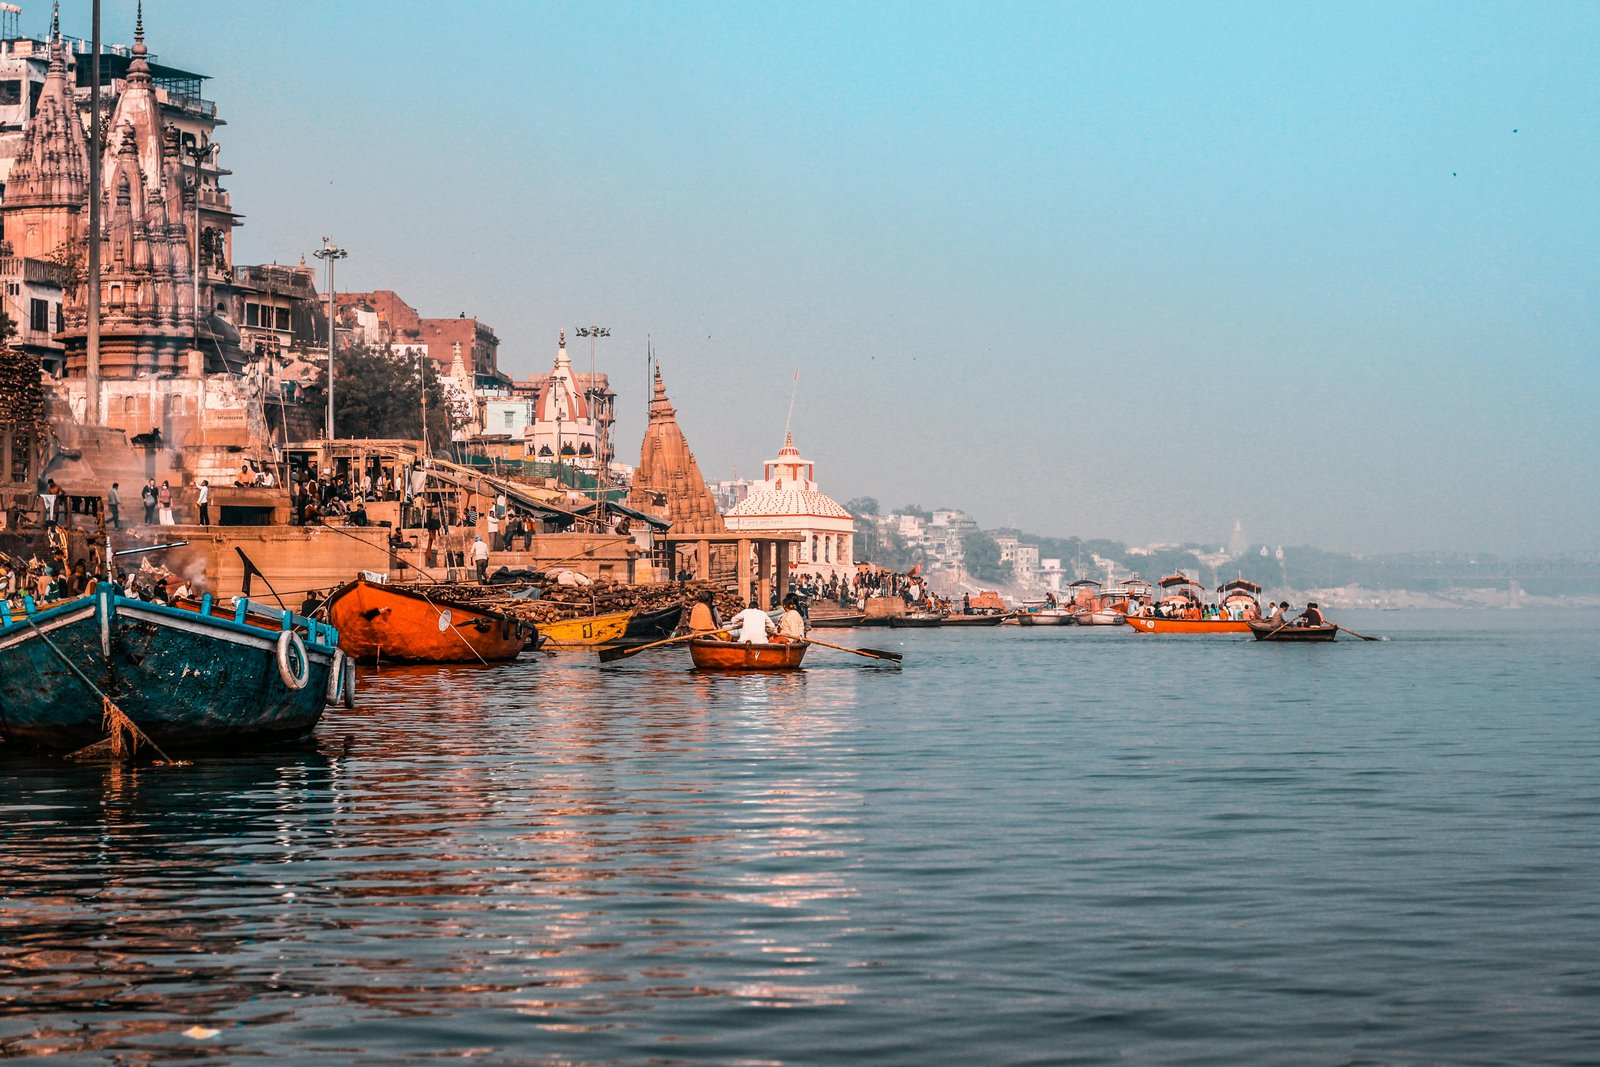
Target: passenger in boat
x=1278, y=616
x=1312, y=616
x=791, y=624
x=703, y=615
x=752, y=625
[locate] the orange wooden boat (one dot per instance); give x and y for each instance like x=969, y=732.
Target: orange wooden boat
x=398, y=624
x=1151, y=624
x=709, y=655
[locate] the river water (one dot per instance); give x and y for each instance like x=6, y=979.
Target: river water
x=1027, y=846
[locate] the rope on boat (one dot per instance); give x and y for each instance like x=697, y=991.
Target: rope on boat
x=125, y=735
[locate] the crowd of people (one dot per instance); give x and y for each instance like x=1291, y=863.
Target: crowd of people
x=855, y=589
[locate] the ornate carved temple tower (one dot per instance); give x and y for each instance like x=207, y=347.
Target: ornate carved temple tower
x=668, y=482
x=47, y=193
x=146, y=287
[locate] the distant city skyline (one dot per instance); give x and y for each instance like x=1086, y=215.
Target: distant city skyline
x=1129, y=272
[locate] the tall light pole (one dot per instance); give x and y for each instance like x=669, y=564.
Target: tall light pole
x=330, y=252
x=596, y=398
x=200, y=155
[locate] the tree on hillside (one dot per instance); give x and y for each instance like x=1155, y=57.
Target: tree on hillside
x=379, y=394
x=982, y=558
x=862, y=505
x=917, y=510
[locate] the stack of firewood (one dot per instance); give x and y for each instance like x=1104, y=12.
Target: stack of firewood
x=21, y=394
x=557, y=602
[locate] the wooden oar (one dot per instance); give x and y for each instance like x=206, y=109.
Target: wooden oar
x=609, y=655
x=1352, y=633
x=870, y=653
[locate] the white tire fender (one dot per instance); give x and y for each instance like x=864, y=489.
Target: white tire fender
x=336, y=676
x=294, y=667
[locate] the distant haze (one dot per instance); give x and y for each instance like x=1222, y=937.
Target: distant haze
x=1126, y=271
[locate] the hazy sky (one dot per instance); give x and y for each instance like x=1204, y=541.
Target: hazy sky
x=1128, y=271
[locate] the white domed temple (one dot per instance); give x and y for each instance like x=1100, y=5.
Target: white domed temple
x=787, y=500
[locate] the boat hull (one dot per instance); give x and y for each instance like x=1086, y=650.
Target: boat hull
x=1100, y=617
x=1148, y=624
x=916, y=621
x=1046, y=617
x=385, y=623
x=975, y=620
x=1271, y=631
x=738, y=656
x=835, y=622
x=585, y=632
x=189, y=681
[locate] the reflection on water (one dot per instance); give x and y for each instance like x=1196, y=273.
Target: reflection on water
x=1027, y=846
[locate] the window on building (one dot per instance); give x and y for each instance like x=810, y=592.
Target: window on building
x=39, y=315
x=252, y=317
x=280, y=318
x=61, y=318
x=10, y=91
x=511, y=417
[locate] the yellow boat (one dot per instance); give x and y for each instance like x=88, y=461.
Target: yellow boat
x=586, y=631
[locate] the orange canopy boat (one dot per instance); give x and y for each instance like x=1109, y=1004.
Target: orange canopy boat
x=714, y=655
x=377, y=620
x=1180, y=612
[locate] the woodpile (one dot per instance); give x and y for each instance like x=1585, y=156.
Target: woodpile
x=21, y=394
x=559, y=602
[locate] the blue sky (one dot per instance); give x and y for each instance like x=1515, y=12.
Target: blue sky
x=1132, y=271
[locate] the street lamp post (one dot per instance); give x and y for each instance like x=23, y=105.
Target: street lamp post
x=200, y=154
x=330, y=252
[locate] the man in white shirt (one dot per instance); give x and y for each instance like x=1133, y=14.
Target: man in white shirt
x=752, y=625
x=480, y=560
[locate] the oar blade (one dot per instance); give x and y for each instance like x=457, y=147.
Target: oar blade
x=892, y=657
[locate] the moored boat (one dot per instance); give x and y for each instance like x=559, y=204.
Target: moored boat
x=186, y=679
x=836, y=622
x=981, y=619
x=715, y=655
x=1046, y=617
x=917, y=620
x=379, y=621
x=585, y=631
x=1272, y=631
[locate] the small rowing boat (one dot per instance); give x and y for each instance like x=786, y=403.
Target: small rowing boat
x=712, y=655
x=1272, y=631
x=983, y=619
x=836, y=622
x=1046, y=617
x=917, y=620
x=380, y=621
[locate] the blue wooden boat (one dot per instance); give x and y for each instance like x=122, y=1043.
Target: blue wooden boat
x=196, y=677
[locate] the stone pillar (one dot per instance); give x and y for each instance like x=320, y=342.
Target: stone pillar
x=764, y=574
x=743, y=563
x=702, y=560
x=783, y=569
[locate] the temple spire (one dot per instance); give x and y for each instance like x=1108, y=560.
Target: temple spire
x=138, y=66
